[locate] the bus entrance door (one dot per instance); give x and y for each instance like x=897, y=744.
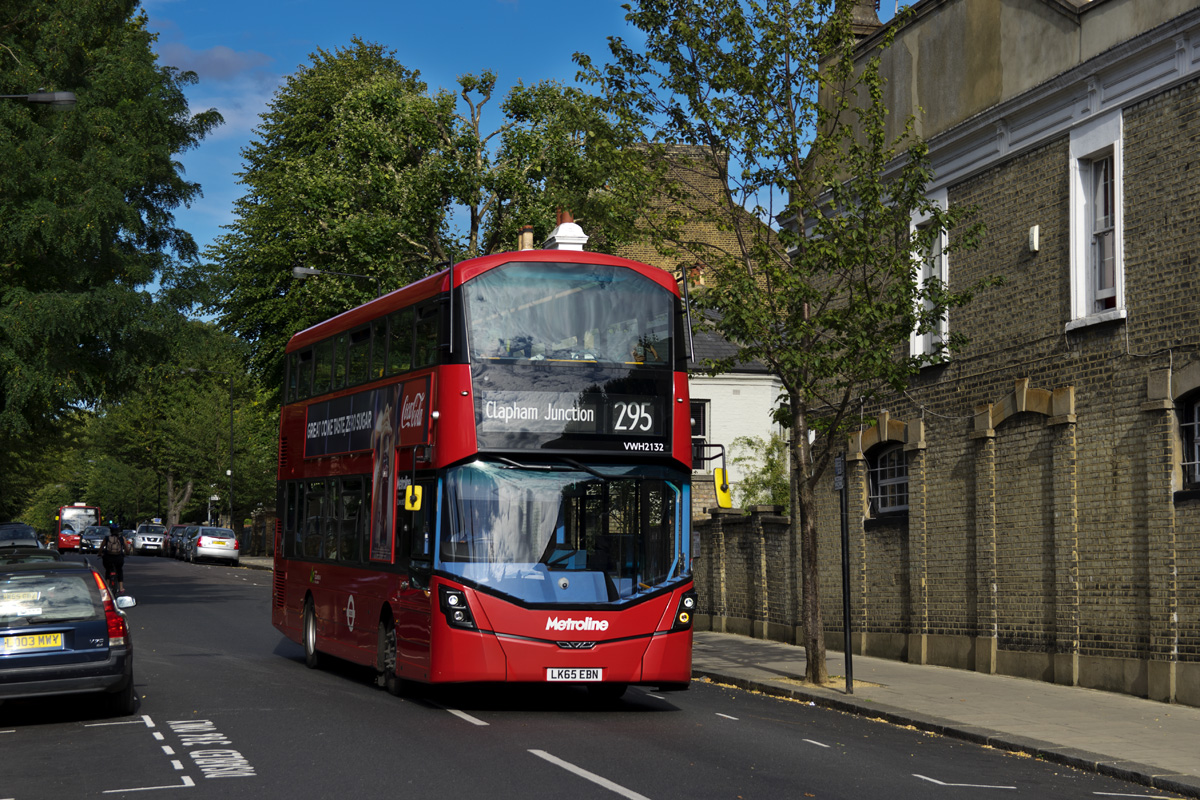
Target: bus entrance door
x=414, y=534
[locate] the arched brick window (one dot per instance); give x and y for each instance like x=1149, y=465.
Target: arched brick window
x=1188, y=408
x=887, y=471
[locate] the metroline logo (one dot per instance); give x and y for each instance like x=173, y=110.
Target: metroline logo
x=567, y=624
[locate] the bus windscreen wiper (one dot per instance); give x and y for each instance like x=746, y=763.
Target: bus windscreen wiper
x=585, y=468
x=549, y=468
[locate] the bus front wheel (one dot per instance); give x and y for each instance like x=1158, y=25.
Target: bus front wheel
x=385, y=662
x=312, y=659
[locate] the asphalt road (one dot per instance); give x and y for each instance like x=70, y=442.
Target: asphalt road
x=228, y=710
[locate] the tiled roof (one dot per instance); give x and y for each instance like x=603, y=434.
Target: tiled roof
x=711, y=345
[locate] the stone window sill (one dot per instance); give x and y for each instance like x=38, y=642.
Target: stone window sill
x=894, y=519
x=1112, y=315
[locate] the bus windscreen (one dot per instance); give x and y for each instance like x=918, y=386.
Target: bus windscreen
x=77, y=518
x=563, y=535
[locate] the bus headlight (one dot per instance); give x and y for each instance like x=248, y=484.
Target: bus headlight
x=455, y=608
x=685, y=612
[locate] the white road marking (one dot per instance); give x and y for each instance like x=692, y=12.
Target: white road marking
x=466, y=716
x=187, y=783
x=591, y=776
x=107, y=724
x=167, y=749
x=158, y=736
x=726, y=716
x=1119, y=794
x=655, y=696
x=178, y=765
x=149, y=722
x=818, y=744
x=962, y=785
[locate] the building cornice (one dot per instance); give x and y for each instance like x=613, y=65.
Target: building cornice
x=1121, y=76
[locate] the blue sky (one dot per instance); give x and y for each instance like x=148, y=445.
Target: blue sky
x=242, y=51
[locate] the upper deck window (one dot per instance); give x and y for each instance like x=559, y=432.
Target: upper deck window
x=535, y=312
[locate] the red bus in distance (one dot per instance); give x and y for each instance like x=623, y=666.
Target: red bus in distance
x=485, y=476
x=70, y=521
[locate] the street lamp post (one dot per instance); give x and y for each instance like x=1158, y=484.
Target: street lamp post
x=57, y=99
x=304, y=272
x=230, y=470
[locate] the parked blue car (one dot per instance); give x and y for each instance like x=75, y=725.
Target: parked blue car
x=63, y=632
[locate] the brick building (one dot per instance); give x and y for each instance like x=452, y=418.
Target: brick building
x=1031, y=507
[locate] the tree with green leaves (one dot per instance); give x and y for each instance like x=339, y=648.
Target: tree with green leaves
x=121, y=490
x=345, y=176
x=45, y=472
x=181, y=432
x=86, y=203
x=773, y=99
x=763, y=466
x=557, y=149
x=360, y=169
x=41, y=508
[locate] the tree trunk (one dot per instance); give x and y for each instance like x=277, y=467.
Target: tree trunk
x=176, y=502
x=804, y=528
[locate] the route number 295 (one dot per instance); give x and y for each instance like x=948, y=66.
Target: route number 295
x=633, y=417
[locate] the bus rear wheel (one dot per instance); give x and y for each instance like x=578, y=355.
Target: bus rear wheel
x=385, y=661
x=312, y=658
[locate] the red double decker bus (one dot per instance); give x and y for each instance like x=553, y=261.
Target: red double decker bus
x=485, y=476
x=70, y=521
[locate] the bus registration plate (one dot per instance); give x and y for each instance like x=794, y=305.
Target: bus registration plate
x=574, y=674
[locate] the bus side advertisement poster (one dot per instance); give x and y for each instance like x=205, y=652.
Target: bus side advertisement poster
x=390, y=415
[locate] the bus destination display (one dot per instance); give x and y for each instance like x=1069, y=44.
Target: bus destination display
x=569, y=414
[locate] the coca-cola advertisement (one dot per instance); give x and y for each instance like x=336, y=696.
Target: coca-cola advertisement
x=413, y=421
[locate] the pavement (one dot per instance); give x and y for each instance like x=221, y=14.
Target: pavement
x=1143, y=741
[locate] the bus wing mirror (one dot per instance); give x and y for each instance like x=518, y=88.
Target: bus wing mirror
x=412, y=498
x=419, y=572
x=721, y=482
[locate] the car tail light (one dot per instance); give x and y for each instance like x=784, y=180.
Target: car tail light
x=237, y=545
x=116, y=622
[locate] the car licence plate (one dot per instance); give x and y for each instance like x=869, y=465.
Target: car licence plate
x=220, y=543
x=33, y=641
x=577, y=674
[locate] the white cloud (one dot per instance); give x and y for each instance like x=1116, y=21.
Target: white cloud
x=241, y=103
x=218, y=63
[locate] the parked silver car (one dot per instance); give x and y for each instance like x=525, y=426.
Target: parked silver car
x=149, y=538
x=215, y=543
